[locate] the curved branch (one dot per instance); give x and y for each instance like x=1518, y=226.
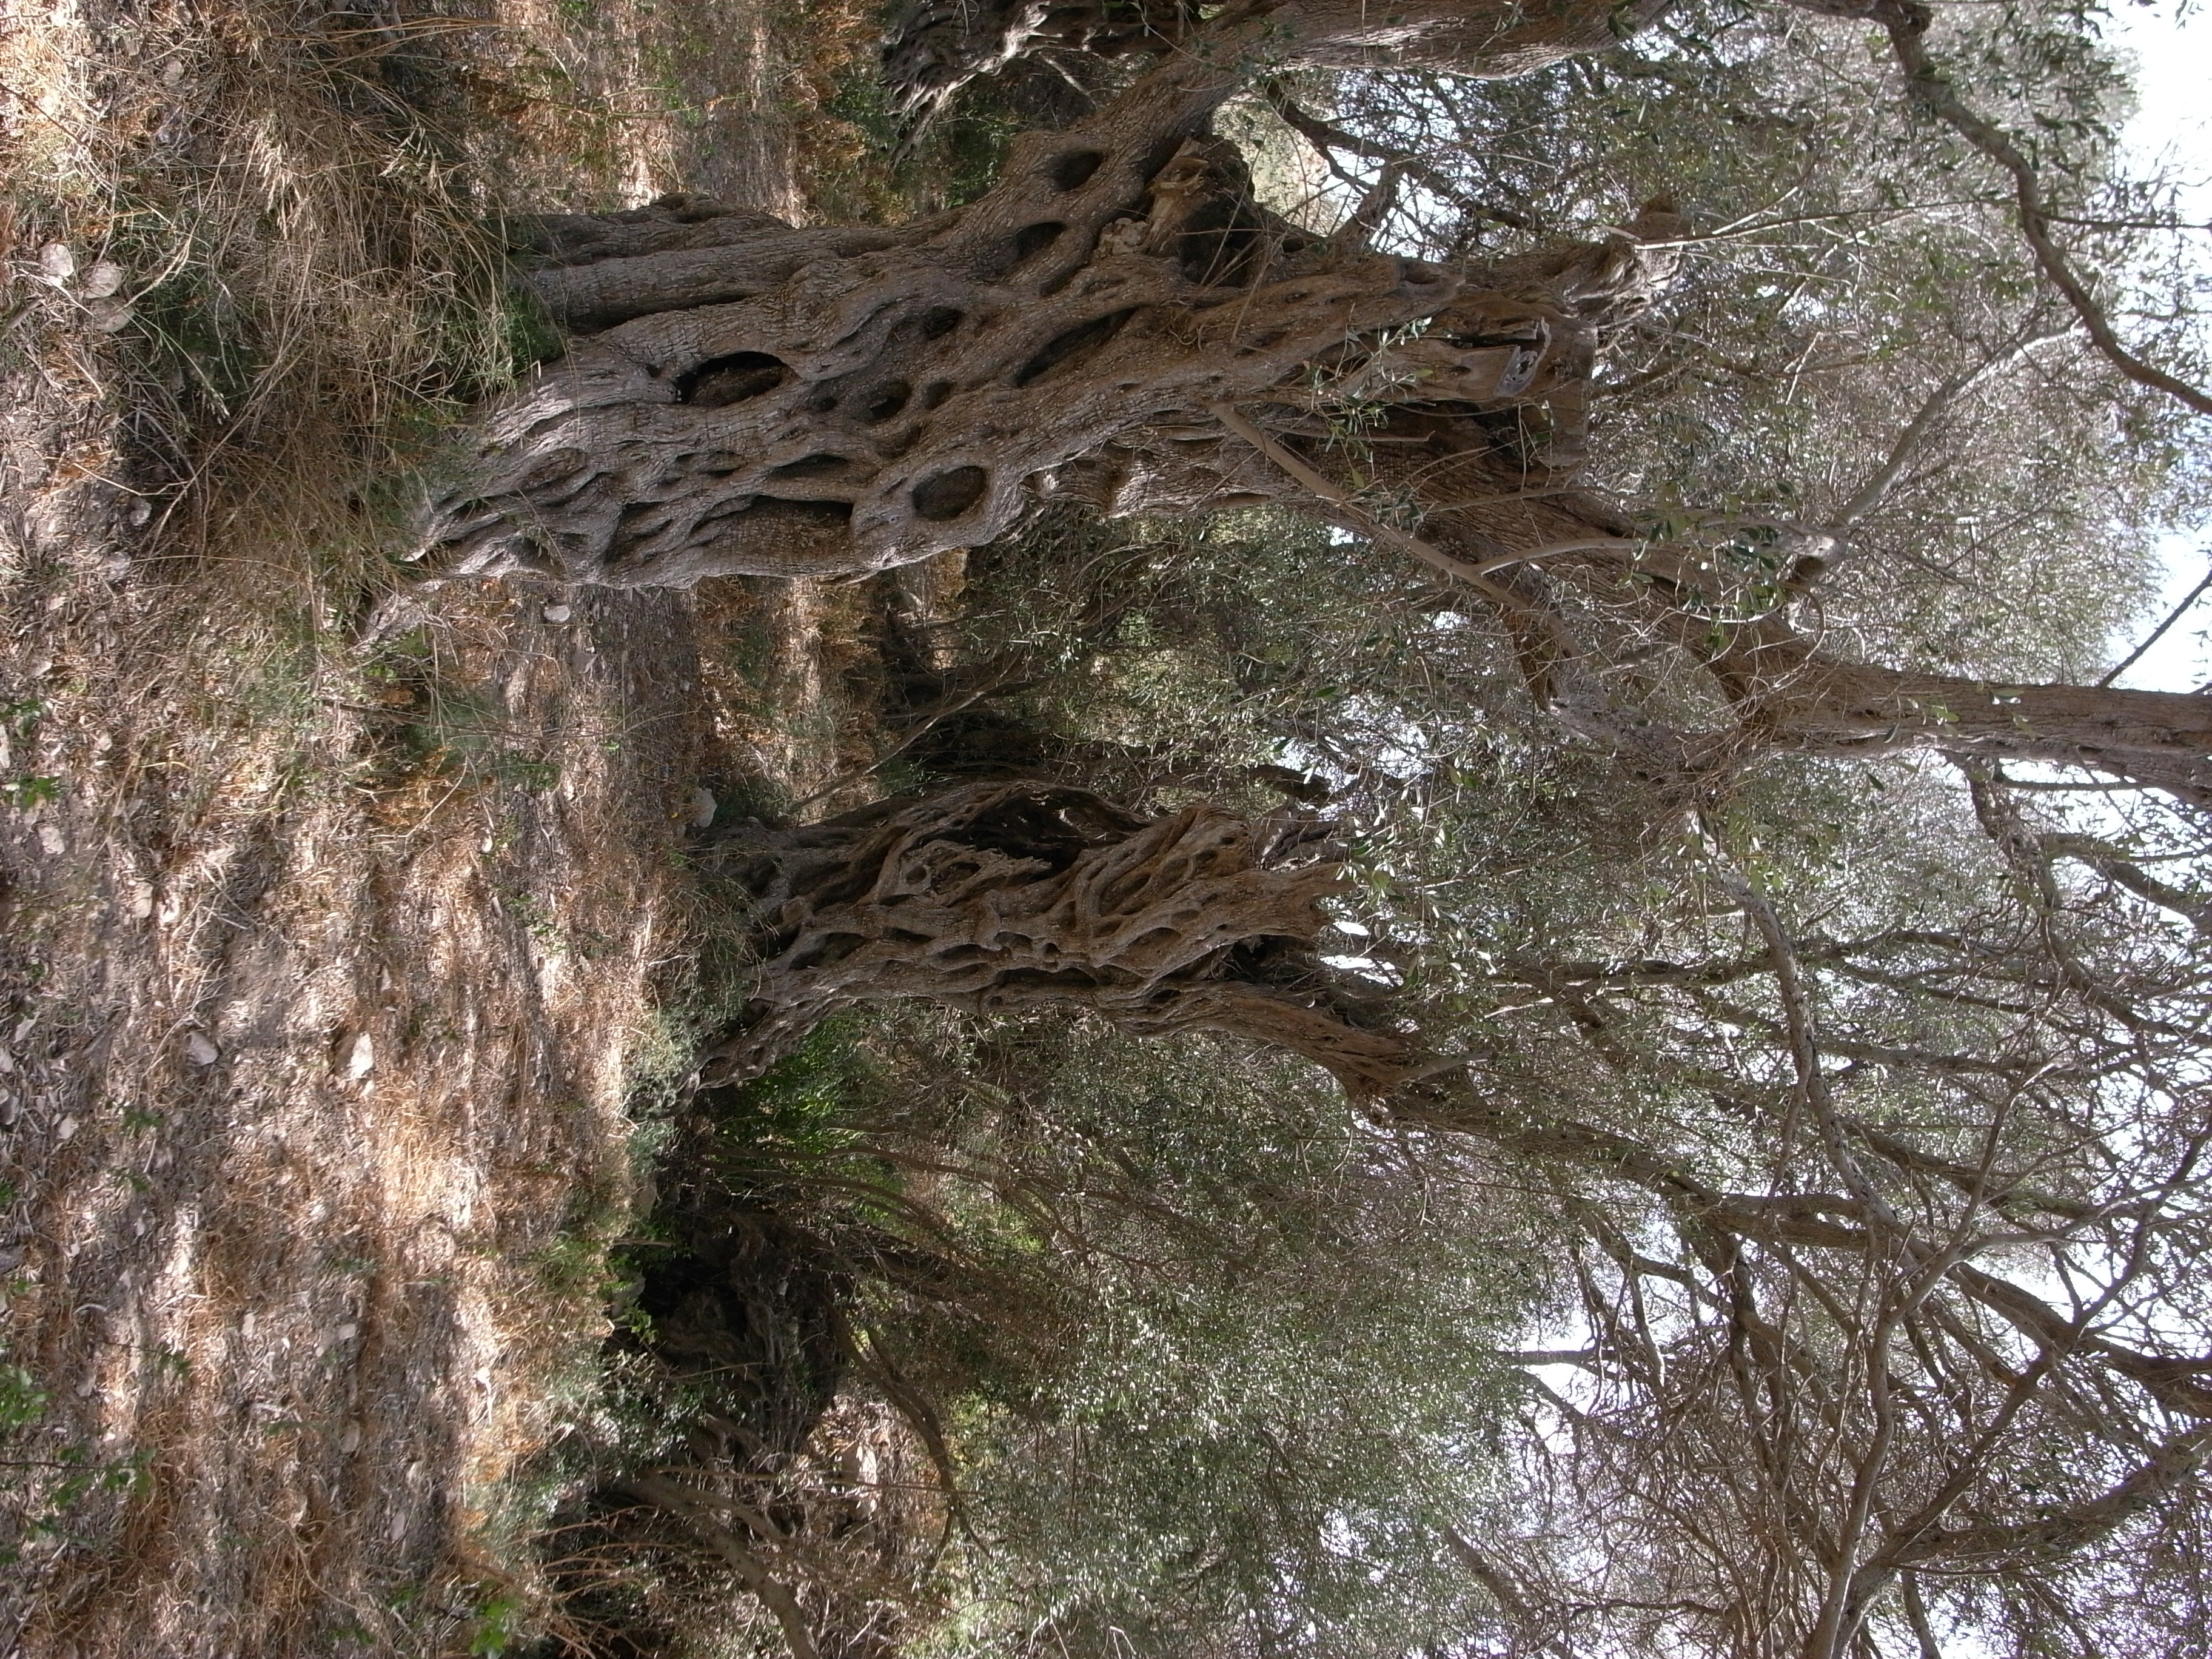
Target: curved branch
x=1906, y=23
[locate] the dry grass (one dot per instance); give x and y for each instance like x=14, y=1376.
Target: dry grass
x=317, y=1047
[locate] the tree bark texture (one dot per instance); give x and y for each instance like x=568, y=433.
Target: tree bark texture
x=937, y=46
x=754, y=398
x=1492, y=507
x=2163, y=739
x=1003, y=897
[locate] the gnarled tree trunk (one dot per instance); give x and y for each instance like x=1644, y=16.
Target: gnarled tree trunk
x=1115, y=323
x=751, y=399
x=1002, y=897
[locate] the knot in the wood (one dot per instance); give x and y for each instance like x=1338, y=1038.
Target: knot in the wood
x=1005, y=896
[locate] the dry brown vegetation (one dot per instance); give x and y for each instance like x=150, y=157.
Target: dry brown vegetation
x=317, y=1063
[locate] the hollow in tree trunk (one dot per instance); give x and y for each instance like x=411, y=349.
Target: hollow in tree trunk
x=746, y=397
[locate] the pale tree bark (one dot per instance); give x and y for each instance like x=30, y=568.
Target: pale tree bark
x=1794, y=698
x=937, y=46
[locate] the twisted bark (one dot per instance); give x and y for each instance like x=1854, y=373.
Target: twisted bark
x=749, y=398
x=938, y=46
x=1001, y=897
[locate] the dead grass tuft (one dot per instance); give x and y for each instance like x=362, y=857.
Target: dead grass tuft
x=271, y=227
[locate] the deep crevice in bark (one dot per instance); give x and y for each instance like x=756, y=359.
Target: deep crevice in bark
x=1001, y=897
x=748, y=398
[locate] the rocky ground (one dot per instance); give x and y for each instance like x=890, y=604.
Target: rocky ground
x=337, y=966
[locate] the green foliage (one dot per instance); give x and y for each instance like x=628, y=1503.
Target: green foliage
x=1222, y=1365
x=495, y=1624
x=22, y=1401
x=796, y=1112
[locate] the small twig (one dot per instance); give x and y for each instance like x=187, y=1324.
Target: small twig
x=1874, y=491
x=852, y=776
x=2159, y=632
x=1357, y=519
x=1329, y=139
x=694, y=1509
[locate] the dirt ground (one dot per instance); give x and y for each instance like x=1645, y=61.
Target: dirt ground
x=321, y=1065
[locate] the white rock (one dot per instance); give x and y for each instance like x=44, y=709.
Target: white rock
x=49, y=838
x=66, y=1129
x=58, y=261
x=200, y=1051
x=702, y=808
x=361, y=1057
x=102, y=280
x=142, y=899
x=559, y=613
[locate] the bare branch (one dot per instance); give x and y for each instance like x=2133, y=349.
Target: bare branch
x=2159, y=632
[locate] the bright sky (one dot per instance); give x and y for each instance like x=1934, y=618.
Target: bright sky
x=2173, y=44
